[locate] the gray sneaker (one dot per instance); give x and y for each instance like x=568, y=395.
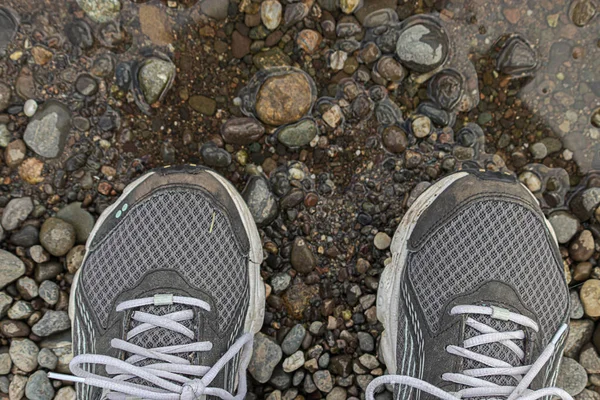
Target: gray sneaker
x=474, y=302
x=169, y=296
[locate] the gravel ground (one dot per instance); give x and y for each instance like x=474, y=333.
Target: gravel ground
x=329, y=116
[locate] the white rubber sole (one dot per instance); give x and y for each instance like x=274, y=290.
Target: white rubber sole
x=256, y=307
x=388, y=295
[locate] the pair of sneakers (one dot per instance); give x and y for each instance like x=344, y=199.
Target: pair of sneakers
x=165, y=306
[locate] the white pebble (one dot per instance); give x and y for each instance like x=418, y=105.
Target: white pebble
x=30, y=107
x=567, y=155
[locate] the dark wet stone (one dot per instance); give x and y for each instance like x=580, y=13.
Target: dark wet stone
x=422, y=45
x=387, y=41
x=394, y=139
x=240, y=45
x=203, y=105
x=347, y=26
x=471, y=135
x=298, y=134
x=376, y=13
x=292, y=199
x=75, y=162
x=86, y=85
x=438, y=116
x=216, y=9
x=214, y=156
x=390, y=69
x=5, y=95
x=517, y=57
x=293, y=340
x=369, y=53
x=274, y=57
x=295, y=12
x=242, y=131
x=388, y=113
x=302, y=258
x=112, y=35
x=9, y=23
x=362, y=107
x=261, y=202
x=123, y=75
x=47, y=131
x=155, y=78
x=103, y=66
x=582, y=11
x=52, y=322
x=341, y=365
x=27, y=236
x=446, y=88
x=80, y=34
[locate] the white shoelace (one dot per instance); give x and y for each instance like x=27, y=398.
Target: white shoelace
x=170, y=368
x=477, y=387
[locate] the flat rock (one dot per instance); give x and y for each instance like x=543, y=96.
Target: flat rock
x=298, y=134
x=260, y=200
x=565, y=225
x=572, y=377
x=242, y=131
x=266, y=354
x=293, y=340
x=23, y=353
x=39, y=387
x=11, y=268
x=16, y=211
x=47, y=131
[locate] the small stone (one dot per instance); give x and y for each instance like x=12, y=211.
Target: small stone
x=421, y=126
x=582, y=271
x=101, y=10
x=81, y=220
x=590, y=297
x=155, y=78
x=14, y=154
x=366, y=342
x=293, y=340
x=576, y=306
x=369, y=361
x=585, y=203
x=47, y=131
x=382, y=240
x=49, y=292
x=590, y=360
x=531, y=180
x=214, y=156
x=309, y=40
x=293, y=362
x=298, y=297
x=47, y=359
x=564, y=224
x=337, y=393
x=271, y=13
x=422, y=45
x=20, y=310
x=242, y=131
x=572, y=377
x=283, y=99
x=298, y=134
x=57, y=236
x=204, y=105
x=333, y=116
x=52, y=322
x=395, y=139
x=539, y=150
x=86, y=85
x=23, y=353
x=39, y=387
x=5, y=302
x=390, y=69
x=16, y=389
x=295, y=12
x=216, y=9
x=302, y=258
x=337, y=60
x=11, y=268
x=41, y=55
x=75, y=258
x=582, y=12
x=274, y=57
x=14, y=329
x=5, y=364
x=240, y=45
x=588, y=394
x=16, y=211
x=261, y=201
x=154, y=23
x=5, y=90
x=27, y=288
x=266, y=354
x=517, y=57
x=323, y=381
x=67, y=392
x=582, y=249
x=350, y=6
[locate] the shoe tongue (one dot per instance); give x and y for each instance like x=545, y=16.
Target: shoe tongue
x=495, y=350
x=161, y=337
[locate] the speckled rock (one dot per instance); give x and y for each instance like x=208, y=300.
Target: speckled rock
x=11, y=268
x=582, y=248
x=16, y=211
x=52, y=322
x=590, y=297
x=293, y=339
x=572, y=377
x=47, y=131
x=80, y=219
x=302, y=258
x=298, y=134
x=565, y=225
x=422, y=45
x=261, y=201
x=266, y=354
x=271, y=13
x=23, y=353
x=580, y=333
x=101, y=10
x=284, y=98
x=57, y=236
x=242, y=131
x=39, y=387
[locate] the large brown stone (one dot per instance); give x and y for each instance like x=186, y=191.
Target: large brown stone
x=284, y=99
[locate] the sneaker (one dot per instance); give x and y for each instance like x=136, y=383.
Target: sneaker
x=169, y=296
x=474, y=302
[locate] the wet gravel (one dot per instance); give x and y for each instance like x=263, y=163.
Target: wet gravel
x=329, y=117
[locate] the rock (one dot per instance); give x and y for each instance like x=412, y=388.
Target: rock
x=582, y=249
x=30, y=171
x=350, y=6
x=538, y=150
x=49, y=292
x=531, y=180
x=14, y=329
x=86, y=85
x=101, y=10
x=25, y=84
x=23, y=353
x=576, y=306
x=11, y=268
x=323, y=381
x=81, y=220
x=446, y=89
x=75, y=258
x=16, y=211
x=39, y=387
x=260, y=200
x=5, y=302
x=293, y=340
x=20, y=310
x=580, y=333
x=280, y=282
x=203, y=105
x=390, y=69
x=422, y=45
x=295, y=12
x=214, y=156
x=27, y=288
x=334, y=116
x=293, y=362
x=302, y=258
x=271, y=12
x=588, y=395
x=41, y=55
x=590, y=297
x=17, y=387
x=394, y=139
x=309, y=40
x=266, y=354
x=369, y=361
x=271, y=58
x=517, y=57
x=67, y=392
x=240, y=45
x=5, y=362
x=420, y=126
x=242, y=131
x=5, y=90
x=382, y=240
x=572, y=377
x=376, y=13
x=582, y=12
x=47, y=131
x=564, y=224
x=155, y=24
x=9, y=24
x=285, y=98
x=52, y=322
x=57, y=236
x=155, y=77
x=14, y=154
x=47, y=359
x=80, y=34
x=366, y=341
x=337, y=393
x=216, y=9
x=584, y=203
x=5, y=136
x=298, y=297
x=337, y=60
x=298, y=134
x=27, y=236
